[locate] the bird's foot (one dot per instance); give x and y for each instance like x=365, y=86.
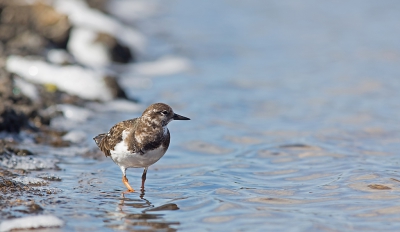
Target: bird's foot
x=127, y=185
x=127, y=191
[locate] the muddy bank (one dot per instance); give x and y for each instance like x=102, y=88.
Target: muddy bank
x=14, y=184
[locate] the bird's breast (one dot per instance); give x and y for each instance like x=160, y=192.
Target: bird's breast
x=125, y=158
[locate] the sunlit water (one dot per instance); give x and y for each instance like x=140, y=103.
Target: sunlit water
x=295, y=124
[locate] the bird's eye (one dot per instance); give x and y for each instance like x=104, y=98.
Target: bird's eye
x=164, y=112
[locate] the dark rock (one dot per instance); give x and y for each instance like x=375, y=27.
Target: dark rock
x=169, y=206
x=51, y=137
x=9, y=148
x=16, y=109
x=50, y=177
x=10, y=120
x=121, y=54
x=117, y=91
x=118, y=52
x=50, y=96
x=34, y=208
x=100, y=5
x=7, y=185
x=14, y=13
x=379, y=187
x=95, y=154
x=14, y=197
x=19, y=112
x=27, y=29
x=51, y=24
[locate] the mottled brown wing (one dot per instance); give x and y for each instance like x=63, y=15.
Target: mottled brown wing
x=107, y=141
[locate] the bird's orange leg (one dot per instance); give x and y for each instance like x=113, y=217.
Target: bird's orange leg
x=128, y=186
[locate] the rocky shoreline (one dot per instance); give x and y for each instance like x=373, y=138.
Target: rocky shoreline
x=63, y=67
x=29, y=100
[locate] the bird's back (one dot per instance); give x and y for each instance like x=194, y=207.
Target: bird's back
x=107, y=141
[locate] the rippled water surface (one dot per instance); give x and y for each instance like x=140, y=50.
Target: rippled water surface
x=295, y=124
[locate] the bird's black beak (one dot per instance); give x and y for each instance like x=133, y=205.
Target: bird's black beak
x=180, y=117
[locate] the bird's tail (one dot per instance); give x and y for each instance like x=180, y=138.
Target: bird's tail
x=98, y=138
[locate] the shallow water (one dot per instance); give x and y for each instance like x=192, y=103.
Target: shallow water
x=295, y=124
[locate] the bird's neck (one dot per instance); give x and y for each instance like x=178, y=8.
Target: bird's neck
x=148, y=132
x=151, y=124
x=149, y=129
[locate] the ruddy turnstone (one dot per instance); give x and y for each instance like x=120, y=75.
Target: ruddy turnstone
x=139, y=142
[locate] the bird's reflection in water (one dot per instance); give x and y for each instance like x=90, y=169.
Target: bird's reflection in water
x=133, y=213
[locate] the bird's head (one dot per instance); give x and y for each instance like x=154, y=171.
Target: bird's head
x=161, y=114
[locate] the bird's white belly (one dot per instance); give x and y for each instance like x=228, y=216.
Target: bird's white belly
x=127, y=159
